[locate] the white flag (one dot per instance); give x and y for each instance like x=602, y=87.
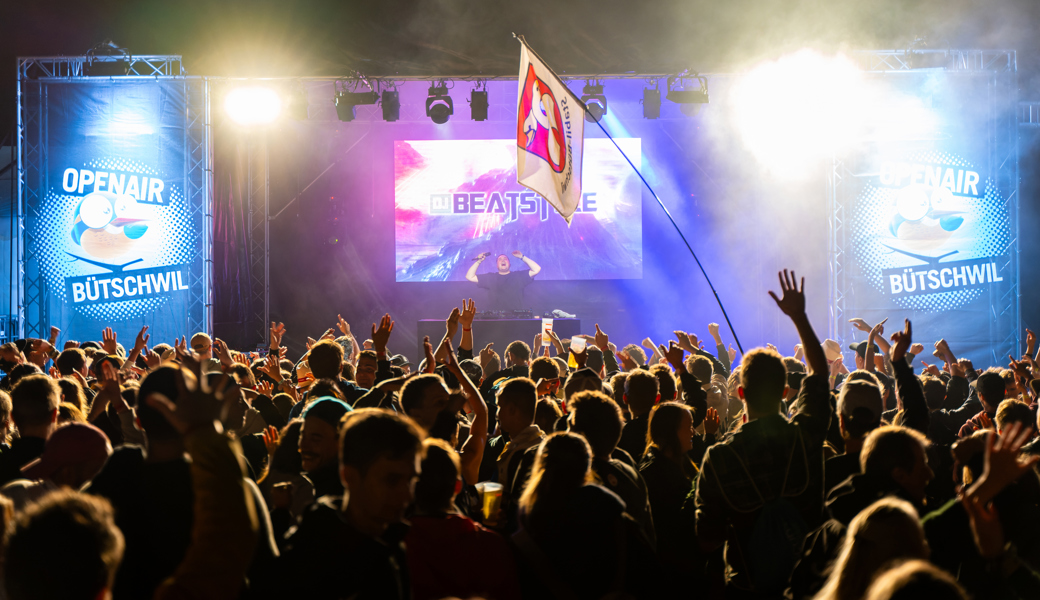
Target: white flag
x=550, y=130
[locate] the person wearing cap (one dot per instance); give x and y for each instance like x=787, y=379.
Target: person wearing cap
x=202, y=344
x=859, y=413
x=74, y=454
x=399, y=361
x=319, y=439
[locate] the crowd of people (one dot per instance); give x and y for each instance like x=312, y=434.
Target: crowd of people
x=558, y=470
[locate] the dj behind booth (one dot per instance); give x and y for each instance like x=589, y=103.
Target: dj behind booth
x=506, y=321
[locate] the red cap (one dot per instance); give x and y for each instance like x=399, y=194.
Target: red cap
x=74, y=443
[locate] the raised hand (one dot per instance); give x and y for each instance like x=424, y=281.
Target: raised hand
x=1004, y=464
x=835, y=366
x=687, y=341
x=451, y=323
x=142, y=338
x=381, y=334
x=732, y=354
x=265, y=388
x=986, y=527
x=711, y=421
x=674, y=355
x=431, y=362
x=518, y=254
x=860, y=324
x=627, y=362
x=483, y=255
x=272, y=369
x=55, y=332
x=602, y=340
x=931, y=369
x=799, y=352
x=901, y=341
x=198, y=405
x=916, y=349
x=581, y=357
x=108, y=341
x=1030, y=341
x=151, y=357
x=469, y=311
x=277, y=331
x=328, y=335
x=713, y=331
x=792, y=303
x=344, y=327
x=271, y=439
x=221, y=351
x=487, y=354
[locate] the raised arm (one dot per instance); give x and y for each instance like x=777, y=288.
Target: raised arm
x=471, y=274
x=793, y=305
x=534, y=267
x=473, y=449
x=911, y=395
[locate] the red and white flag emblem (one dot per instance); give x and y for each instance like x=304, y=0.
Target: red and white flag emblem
x=550, y=130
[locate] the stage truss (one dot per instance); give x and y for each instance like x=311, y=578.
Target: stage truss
x=31, y=318
x=1001, y=67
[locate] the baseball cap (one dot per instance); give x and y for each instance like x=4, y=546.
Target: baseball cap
x=861, y=349
x=991, y=385
x=399, y=360
x=328, y=409
x=860, y=394
x=75, y=443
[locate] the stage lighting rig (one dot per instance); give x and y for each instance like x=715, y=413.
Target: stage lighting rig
x=652, y=102
x=346, y=101
x=107, y=59
x=391, y=103
x=595, y=101
x=689, y=100
x=250, y=105
x=439, y=106
x=478, y=102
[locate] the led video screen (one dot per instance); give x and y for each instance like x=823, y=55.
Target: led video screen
x=456, y=199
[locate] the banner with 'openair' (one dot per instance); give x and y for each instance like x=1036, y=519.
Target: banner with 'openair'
x=114, y=236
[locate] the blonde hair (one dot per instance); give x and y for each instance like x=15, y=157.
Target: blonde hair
x=888, y=529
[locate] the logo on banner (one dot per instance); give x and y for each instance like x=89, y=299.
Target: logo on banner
x=115, y=238
x=539, y=132
x=930, y=233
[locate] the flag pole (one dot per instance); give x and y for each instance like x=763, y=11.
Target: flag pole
x=668, y=214
x=677, y=230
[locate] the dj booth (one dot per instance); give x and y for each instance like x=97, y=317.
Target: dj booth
x=499, y=331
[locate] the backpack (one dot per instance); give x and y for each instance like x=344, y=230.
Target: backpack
x=778, y=533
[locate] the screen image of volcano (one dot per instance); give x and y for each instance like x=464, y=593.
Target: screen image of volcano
x=456, y=199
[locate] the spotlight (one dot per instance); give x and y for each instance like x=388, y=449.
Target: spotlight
x=595, y=102
x=298, y=104
x=689, y=101
x=391, y=106
x=651, y=103
x=438, y=105
x=346, y=101
x=107, y=59
x=252, y=105
x=478, y=105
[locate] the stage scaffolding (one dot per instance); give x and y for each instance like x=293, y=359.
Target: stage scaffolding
x=1000, y=68
x=33, y=73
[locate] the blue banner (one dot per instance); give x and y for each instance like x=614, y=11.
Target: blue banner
x=114, y=238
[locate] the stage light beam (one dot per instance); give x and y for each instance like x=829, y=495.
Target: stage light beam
x=796, y=111
x=250, y=105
